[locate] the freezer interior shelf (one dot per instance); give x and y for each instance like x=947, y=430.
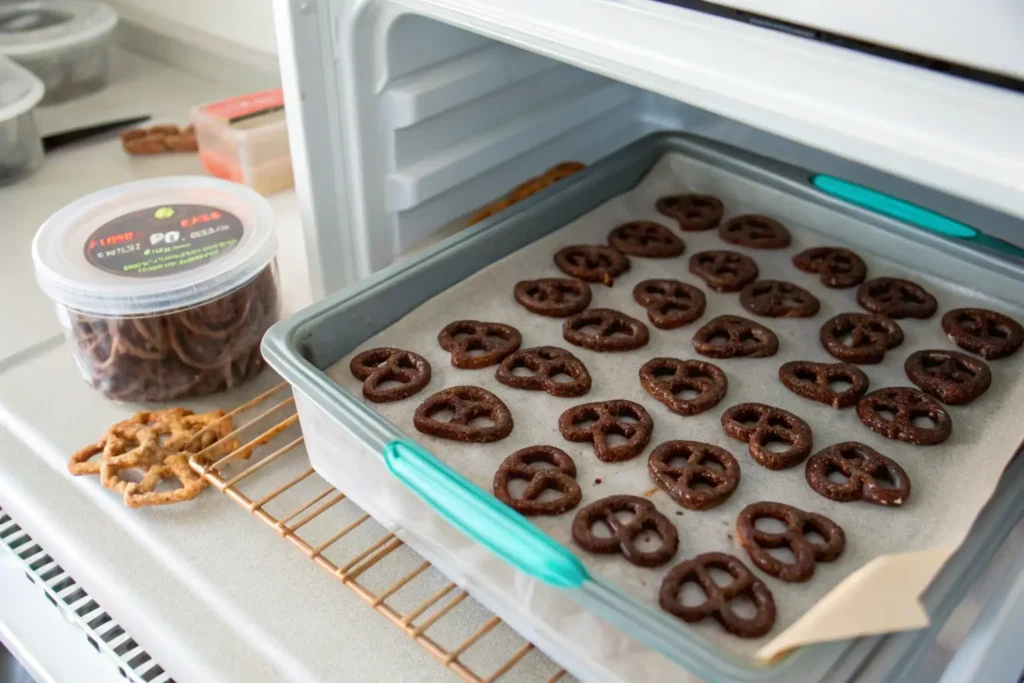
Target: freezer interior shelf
x=277, y=485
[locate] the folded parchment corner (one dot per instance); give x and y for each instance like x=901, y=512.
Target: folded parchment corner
x=883, y=596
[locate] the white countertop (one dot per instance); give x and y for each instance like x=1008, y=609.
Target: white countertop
x=210, y=592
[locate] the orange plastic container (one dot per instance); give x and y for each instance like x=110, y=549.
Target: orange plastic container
x=245, y=139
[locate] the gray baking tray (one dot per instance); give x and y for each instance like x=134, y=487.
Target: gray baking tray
x=301, y=347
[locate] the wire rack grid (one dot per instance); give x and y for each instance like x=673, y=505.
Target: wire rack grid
x=269, y=476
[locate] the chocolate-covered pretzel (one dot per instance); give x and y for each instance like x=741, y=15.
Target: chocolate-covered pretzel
x=614, y=331
x=201, y=350
x=554, y=297
x=759, y=424
x=778, y=299
x=717, y=598
x=724, y=271
x=864, y=469
x=546, y=363
x=624, y=534
x=754, y=231
x=693, y=212
x=798, y=524
x=560, y=477
x=670, y=303
x=647, y=239
x=609, y=417
x=814, y=381
x=466, y=403
x=729, y=336
x=905, y=405
x=896, y=298
x=950, y=376
x=474, y=344
x=592, y=262
x=665, y=378
x=839, y=268
x=409, y=370
x=986, y=333
x=870, y=336
x=678, y=481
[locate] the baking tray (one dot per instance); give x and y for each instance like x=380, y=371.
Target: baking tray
x=328, y=331
x=891, y=555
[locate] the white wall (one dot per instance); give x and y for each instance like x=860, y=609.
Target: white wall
x=219, y=25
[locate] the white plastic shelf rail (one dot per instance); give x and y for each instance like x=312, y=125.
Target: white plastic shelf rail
x=956, y=135
x=406, y=116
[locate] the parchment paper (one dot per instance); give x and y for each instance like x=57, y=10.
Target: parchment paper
x=891, y=554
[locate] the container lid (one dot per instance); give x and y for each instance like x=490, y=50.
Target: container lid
x=154, y=245
x=20, y=90
x=40, y=27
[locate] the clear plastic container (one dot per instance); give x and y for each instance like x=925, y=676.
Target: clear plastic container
x=165, y=286
x=245, y=139
x=65, y=43
x=21, y=148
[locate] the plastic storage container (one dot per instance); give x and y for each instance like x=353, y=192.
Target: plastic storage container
x=165, y=286
x=245, y=139
x=21, y=149
x=66, y=44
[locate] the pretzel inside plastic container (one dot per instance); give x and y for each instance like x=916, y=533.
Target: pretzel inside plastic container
x=165, y=286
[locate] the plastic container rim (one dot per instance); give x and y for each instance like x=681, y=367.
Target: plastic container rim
x=113, y=296
x=76, y=34
x=26, y=102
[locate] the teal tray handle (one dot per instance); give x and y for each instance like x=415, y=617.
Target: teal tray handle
x=899, y=209
x=483, y=517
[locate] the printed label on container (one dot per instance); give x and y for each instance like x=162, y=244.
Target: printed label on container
x=162, y=240
x=246, y=106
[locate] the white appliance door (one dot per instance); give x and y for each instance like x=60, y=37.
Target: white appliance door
x=983, y=34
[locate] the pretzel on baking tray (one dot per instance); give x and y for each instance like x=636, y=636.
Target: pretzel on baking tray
x=526, y=189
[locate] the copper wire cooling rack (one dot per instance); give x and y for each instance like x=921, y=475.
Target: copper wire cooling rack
x=269, y=476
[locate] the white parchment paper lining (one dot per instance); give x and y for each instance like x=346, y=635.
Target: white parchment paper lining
x=891, y=554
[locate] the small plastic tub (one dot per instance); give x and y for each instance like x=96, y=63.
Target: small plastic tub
x=164, y=286
x=65, y=43
x=21, y=148
x=245, y=139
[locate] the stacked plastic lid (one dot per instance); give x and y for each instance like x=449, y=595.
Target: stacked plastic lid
x=21, y=149
x=37, y=28
x=153, y=246
x=66, y=43
x=20, y=91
